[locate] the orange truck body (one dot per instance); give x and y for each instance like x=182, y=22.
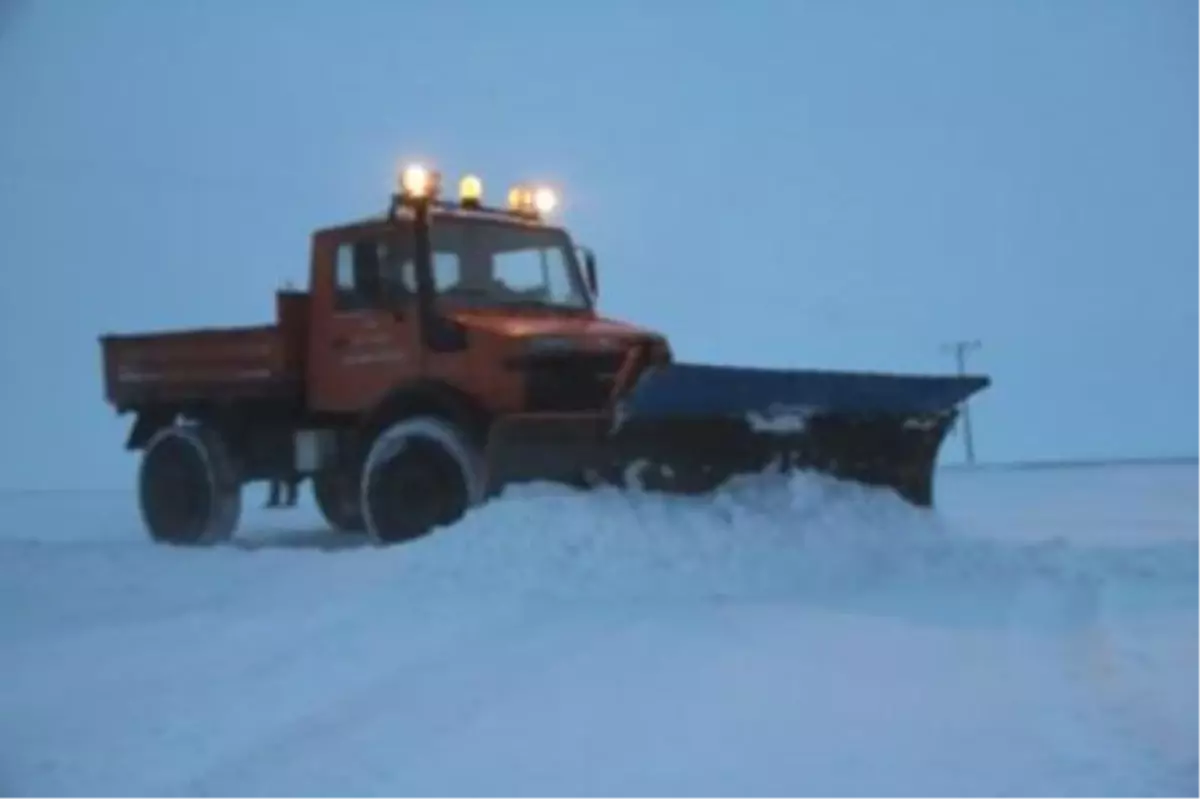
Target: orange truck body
x=280, y=362
x=265, y=361
x=339, y=369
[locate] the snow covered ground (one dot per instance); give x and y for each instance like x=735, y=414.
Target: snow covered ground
x=1037, y=634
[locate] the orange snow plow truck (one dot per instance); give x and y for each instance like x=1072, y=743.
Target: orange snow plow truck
x=445, y=349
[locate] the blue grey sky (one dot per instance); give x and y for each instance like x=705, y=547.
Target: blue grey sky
x=831, y=183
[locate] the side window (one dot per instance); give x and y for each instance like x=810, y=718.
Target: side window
x=371, y=274
x=357, y=277
x=449, y=249
x=396, y=257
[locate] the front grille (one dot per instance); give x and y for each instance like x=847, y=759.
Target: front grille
x=570, y=381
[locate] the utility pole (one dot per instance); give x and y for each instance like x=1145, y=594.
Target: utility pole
x=960, y=350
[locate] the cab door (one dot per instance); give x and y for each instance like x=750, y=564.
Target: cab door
x=371, y=342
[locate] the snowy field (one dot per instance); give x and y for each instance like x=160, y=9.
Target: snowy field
x=1036, y=635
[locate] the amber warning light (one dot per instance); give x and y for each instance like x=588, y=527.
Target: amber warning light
x=419, y=183
x=532, y=200
x=470, y=192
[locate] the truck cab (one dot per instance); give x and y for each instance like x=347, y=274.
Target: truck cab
x=497, y=305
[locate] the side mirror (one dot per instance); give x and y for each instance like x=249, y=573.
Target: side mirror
x=589, y=268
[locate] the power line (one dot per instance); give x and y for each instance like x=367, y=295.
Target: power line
x=960, y=350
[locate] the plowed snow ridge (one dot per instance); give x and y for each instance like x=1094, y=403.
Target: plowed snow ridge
x=762, y=538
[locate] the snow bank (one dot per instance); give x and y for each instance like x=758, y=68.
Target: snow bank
x=784, y=636
x=801, y=538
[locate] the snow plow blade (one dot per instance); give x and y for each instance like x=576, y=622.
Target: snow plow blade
x=689, y=428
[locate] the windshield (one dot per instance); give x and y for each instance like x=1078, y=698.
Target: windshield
x=481, y=262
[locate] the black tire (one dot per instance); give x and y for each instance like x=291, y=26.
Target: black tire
x=189, y=490
x=420, y=474
x=337, y=498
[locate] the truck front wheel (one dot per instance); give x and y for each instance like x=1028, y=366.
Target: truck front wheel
x=189, y=490
x=421, y=473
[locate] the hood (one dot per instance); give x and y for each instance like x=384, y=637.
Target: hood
x=585, y=328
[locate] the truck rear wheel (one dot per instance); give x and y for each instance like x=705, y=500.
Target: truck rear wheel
x=338, y=500
x=189, y=490
x=421, y=473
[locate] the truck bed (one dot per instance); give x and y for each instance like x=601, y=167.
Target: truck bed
x=202, y=365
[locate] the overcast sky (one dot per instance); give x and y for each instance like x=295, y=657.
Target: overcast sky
x=833, y=183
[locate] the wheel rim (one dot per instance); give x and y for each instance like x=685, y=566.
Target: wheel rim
x=415, y=490
x=177, y=491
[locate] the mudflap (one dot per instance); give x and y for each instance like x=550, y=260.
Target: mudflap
x=689, y=428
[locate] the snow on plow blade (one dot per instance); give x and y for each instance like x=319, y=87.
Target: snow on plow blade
x=688, y=428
